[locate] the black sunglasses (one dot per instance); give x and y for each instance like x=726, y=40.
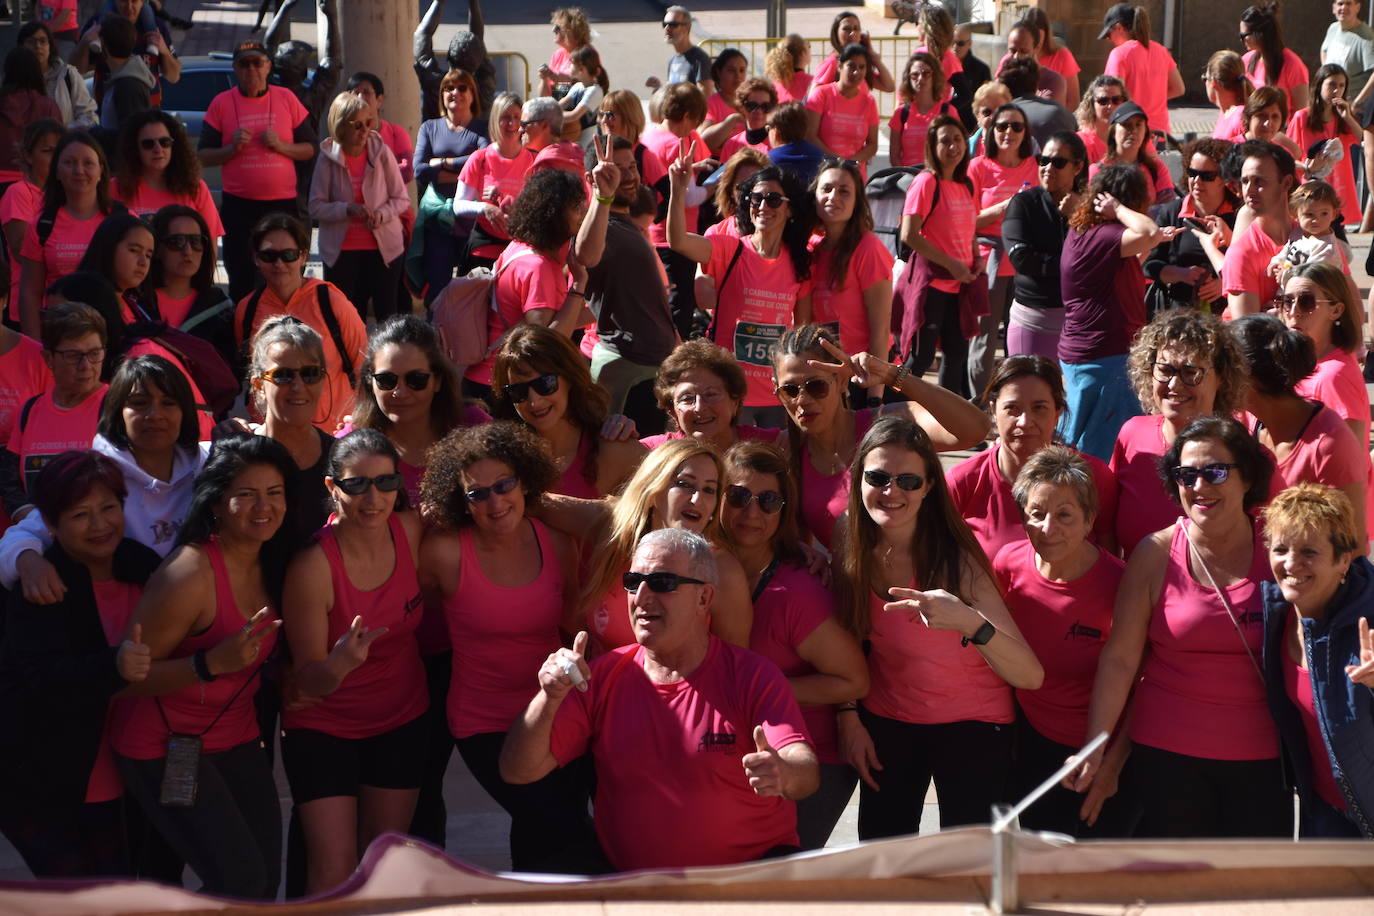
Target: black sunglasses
x=881, y=479
x=154, y=142
x=770, y=501
x=1109, y=99
x=500, y=488
x=272, y=255
x=416, y=380
x=1015, y=127
x=517, y=392
x=357, y=486
x=1203, y=174
x=751, y=105
x=282, y=376
x=179, y=242
x=816, y=388
x=1212, y=473
x=1059, y=162
x=1298, y=303
x=659, y=582
x=773, y=199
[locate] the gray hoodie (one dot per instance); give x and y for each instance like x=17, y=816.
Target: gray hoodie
x=128, y=91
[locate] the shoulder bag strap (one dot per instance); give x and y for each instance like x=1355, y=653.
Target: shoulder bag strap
x=1225, y=602
x=729, y=268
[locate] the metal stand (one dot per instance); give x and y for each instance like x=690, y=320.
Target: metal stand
x=777, y=19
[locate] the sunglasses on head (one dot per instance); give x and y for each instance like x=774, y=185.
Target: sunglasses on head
x=1109, y=100
x=154, y=142
x=881, y=479
x=770, y=501
x=659, y=582
x=357, y=486
x=1189, y=375
x=1212, y=473
x=178, y=242
x=1059, y=162
x=773, y=199
x=816, y=388
x=758, y=106
x=500, y=488
x=273, y=255
x=310, y=375
x=1203, y=174
x=1015, y=127
x=1298, y=303
x=416, y=380
x=517, y=392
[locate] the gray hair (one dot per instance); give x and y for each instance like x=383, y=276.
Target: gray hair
x=1057, y=465
x=544, y=109
x=499, y=105
x=700, y=557
x=280, y=329
x=680, y=9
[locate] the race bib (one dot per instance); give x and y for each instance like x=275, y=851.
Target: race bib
x=755, y=343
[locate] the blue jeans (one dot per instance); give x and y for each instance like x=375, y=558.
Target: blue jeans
x=1100, y=399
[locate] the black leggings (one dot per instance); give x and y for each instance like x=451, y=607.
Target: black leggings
x=239, y=215
x=682, y=290
x=968, y=760
x=1036, y=757
x=231, y=836
x=1184, y=796
x=364, y=277
x=942, y=327
x=430, y=820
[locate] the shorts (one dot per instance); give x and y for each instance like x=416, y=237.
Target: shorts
x=322, y=766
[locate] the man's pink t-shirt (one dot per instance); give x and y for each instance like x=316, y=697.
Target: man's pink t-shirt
x=1293, y=74
x=994, y=183
x=754, y=307
x=674, y=752
x=65, y=247
x=845, y=123
x=1145, y=71
x=147, y=201
x=1066, y=624
x=953, y=229
x=665, y=146
x=487, y=172
x=23, y=374
x=1139, y=446
x=1338, y=383
x=532, y=281
x=52, y=430
x=1246, y=269
x=870, y=264
x=256, y=172
x=1342, y=176
x=22, y=201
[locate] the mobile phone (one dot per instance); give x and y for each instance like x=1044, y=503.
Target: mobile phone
x=1197, y=224
x=180, y=772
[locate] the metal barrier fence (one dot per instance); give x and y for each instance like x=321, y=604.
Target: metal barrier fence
x=894, y=51
x=512, y=72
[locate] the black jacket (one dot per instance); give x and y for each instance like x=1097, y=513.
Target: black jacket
x=57, y=674
x=1033, y=232
x=1184, y=251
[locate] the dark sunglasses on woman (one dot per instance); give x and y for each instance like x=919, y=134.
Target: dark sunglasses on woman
x=152, y=143
x=179, y=242
x=310, y=375
x=1214, y=474
x=357, y=486
x=273, y=255
x=517, y=392
x=416, y=380
x=881, y=479
x=500, y=488
x=770, y=501
x=815, y=388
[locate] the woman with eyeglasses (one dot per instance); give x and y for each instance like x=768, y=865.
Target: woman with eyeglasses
x=65, y=84
x=724, y=113
x=1184, y=654
x=350, y=609
x=1128, y=144
x=794, y=620
x=945, y=653
x=756, y=98
x=442, y=148
x=701, y=387
x=739, y=168
x=1033, y=230
x=357, y=196
x=280, y=246
x=1183, y=365
x=156, y=167
x=507, y=584
x=921, y=92
x=1317, y=301
x=1180, y=264
x=1229, y=90
x=846, y=30
x=183, y=277
x=539, y=378
x=491, y=181
x=843, y=115
x=1268, y=62
x=810, y=373
x=256, y=133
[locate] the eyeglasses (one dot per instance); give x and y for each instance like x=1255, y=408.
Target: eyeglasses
x=606, y=114
x=458, y=87
x=770, y=501
x=283, y=376
x=151, y=143
x=815, y=388
x=1245, y=35
x=179, y=242
x=670, y=24
x=1191, y=376
x=77, y=357
x=1212, y=473
x=758, y=106
x=773, y=199
x=273, y=255
x=690, y=400
x=357, y=486
x=517, y=392
x=1109, y=101
x=1015, y=127
x=659, y=582
x=255, y=62
x=1203, y=174
x=881, y=479
x=1298, y=303
x=1059, y=162
x=529, y=124
x=416, y=380
x=500, y=488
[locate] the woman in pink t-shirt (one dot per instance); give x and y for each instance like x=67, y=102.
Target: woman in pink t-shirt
x=1094, y=113
x=183, y=278
x=1228, y=89
x=787, y=65
x=1051, y=54
x=23, y=200
x=491, y=180
x=1128, y=144
x=1328, y=116
x=920, y=91
x=945, y=653
x=1144, y=65
x=794, y=623
x=1184, y=653
x=156, y=166
x=1268, y=62
x=350, y=609
x=571, y=31
x=846, y=30
x=1323, y=307
x=843, y=115
x=724, y=118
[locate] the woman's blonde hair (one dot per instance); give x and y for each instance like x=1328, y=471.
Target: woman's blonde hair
x=573, y=21
x=1313, y=508
x=627, y=110
x=784, y=60
x=344, y=107
x=499, y=106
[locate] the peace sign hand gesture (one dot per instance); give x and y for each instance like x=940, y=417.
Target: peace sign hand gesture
x=864, y=369
x=606, y=175
x=240, y=649
x=1363, y=673
x=680, y=169
x=352, y=647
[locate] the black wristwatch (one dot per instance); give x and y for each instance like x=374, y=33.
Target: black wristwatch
x=980, y=636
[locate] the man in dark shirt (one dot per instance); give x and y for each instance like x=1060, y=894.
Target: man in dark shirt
x=975, y=74
x=1021, y=75
x=689, y=64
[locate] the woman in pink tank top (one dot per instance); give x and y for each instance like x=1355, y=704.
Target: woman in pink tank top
x=506, y=584
x=945, y=653
x=540, y=379
x=1204, y=750
x=207, y=617
x=812, y=375
x=350, y=609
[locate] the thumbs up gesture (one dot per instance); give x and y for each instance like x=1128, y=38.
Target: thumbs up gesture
x=764, y=766
x=134, y=658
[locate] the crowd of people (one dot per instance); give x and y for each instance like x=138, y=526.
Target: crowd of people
x=677, y=534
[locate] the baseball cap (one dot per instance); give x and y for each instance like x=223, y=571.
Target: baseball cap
x=1127, y=110
x=246, y=48
x=1120, y=14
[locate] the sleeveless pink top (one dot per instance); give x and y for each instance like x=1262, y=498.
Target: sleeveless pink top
x=824, y=497
x=1199, y=693
x=608, y=623
x=573, y=482
x=388, y=690
x=500, y=636
x=138, y=730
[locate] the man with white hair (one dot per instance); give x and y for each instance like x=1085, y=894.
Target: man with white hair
x=689, y=64
x=698, y=745
x=541, y=128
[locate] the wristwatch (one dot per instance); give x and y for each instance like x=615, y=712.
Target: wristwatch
x=902, y=372
x=980, y=636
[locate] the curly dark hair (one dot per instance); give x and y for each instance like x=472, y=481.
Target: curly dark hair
x=1124, y=182
x=1255, y=466
x=796, y=233
x=442, y=494
x=539, y=216
x=183, y=170
x=1278, y=357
